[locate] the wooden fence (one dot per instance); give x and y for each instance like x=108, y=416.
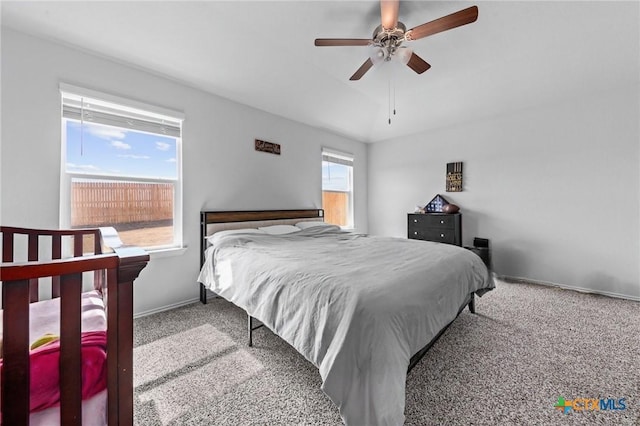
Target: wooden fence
x=110, y=203
x=336, y=207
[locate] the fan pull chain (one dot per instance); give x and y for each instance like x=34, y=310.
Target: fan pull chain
x=389, y=102
x=391, y=95
x=394, y=97
x=393, y=80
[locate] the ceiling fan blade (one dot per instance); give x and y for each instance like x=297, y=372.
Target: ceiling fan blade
x=418, y=64
x=457, y=19
x=389, y=13
x=342, y=42
x=362, y=70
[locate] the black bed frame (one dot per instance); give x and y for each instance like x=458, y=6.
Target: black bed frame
x=210, y=216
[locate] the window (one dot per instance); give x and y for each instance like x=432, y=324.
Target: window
x=121, y=167
x=337, y=188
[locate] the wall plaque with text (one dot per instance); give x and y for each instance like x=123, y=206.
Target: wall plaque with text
x=264, y=146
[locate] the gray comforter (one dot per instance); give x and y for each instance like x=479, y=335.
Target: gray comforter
x=356, y=306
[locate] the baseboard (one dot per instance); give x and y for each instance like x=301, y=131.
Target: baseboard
x=165, y=308
x=566, y=287
x=500, y=277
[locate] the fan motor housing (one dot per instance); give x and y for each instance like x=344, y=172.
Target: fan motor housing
x=393, y=37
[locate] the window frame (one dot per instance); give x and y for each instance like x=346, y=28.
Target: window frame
x=125, y=106
x=346, y=159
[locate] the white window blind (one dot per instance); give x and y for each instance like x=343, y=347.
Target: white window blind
x=338, y=158
x=83, y=108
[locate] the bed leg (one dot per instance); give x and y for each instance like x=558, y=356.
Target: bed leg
x=472, y=303
x=250, y=328
x=203, y=294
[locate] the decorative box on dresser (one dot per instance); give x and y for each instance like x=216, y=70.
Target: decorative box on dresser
x=439, y=227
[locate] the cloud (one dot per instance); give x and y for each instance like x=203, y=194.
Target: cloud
x=105, y=132
x=83, y=167
x=171, y=160
x=120, y=145
x=163, y=146
x=135, y=157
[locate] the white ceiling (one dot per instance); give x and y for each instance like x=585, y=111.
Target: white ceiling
x=516, y=55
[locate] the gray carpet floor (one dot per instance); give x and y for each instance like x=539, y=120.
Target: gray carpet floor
x=508, y=364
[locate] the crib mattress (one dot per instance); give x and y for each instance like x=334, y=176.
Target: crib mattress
x=44, y=316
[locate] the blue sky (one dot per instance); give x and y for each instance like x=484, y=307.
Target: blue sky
x=105, y=150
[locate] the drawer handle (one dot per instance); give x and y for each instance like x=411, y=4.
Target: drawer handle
x=441, y=235
x=442, y=222
x=415, y=220
x=415, y=232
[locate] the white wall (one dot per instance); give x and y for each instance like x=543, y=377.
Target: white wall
x=555, y=188
x=221, y=170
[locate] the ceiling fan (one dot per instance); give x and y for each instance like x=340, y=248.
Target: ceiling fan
x=386, y=42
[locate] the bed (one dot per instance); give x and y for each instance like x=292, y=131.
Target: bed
x=67, y=359
x=363, y=309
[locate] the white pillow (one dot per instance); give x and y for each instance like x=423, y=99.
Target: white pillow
x=279, y=229
x=234, y=231
x=311, y=224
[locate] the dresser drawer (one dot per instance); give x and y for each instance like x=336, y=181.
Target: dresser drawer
x=431, y=234
x=442, y=235
x=433, y=220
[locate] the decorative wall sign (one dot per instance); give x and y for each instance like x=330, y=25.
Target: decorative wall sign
x=454, y=177
x=271, y=148
x=436, y=204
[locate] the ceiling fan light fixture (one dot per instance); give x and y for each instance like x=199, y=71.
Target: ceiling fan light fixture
x=403, y=54
x=377, y=54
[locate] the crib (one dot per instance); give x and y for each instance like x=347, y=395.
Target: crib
x=81, y=269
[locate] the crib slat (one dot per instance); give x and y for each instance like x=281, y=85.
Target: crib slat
x=7, y=246
x=77, y=245
x=7, y=250
x=56, y=253
x=32, y=247
x=70, y=350
x=32, y=255
x=97, y=246
x=98, y=276
x=34, y=293
x=15, y=371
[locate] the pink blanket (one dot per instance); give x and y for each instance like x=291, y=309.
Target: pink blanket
x=45, y=372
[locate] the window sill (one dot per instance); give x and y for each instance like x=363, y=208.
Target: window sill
x=166, y=252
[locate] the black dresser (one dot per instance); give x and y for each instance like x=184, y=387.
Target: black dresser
x=440, y=227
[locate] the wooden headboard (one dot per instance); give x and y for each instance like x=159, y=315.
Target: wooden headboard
x=213, y=221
